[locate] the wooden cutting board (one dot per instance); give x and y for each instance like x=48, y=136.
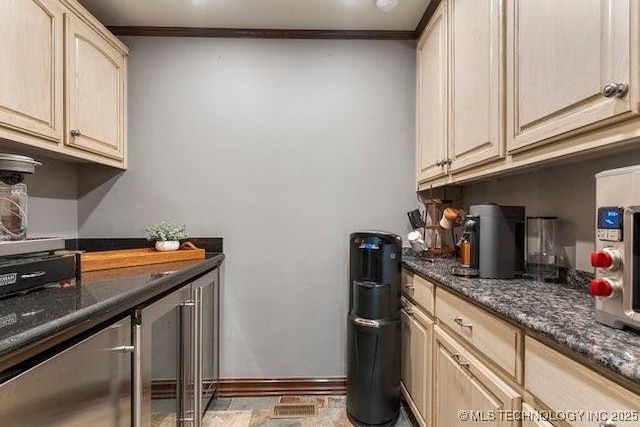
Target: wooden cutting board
x=105, y=260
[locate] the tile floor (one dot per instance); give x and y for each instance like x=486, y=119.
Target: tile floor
x=255, y=412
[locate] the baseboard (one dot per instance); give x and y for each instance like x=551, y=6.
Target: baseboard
x=166, y=389
x=239, y=387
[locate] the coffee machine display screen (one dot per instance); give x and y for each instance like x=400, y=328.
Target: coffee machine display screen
x=610, y=218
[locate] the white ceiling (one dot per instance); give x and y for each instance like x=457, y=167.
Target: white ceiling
x=259, y=14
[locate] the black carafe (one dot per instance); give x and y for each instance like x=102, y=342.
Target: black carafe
x=373, y=329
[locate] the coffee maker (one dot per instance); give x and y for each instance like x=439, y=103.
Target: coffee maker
x=493, y=242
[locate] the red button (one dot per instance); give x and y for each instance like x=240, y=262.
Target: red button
x=601, y=259
x=601, y=288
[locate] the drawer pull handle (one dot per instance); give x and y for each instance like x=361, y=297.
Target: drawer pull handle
x=608, y=424
x=456, y=357
x=75, y=132
x=409, y=311
x=409, y=286
x=459, y=321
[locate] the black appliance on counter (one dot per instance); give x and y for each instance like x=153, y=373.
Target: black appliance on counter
x=32, y=263
x=373, y=329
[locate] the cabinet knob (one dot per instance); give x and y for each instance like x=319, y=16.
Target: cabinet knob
x=439, y=163
x=447, y=161
x=618, y=90
x=75, y=132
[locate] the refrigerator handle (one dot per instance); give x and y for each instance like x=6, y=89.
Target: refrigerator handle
x=197, y=358
x=185, y=309
x=137, y=375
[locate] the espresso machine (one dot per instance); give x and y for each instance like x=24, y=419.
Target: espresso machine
x=492, y=245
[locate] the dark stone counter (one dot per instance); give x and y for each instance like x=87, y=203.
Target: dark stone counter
x=558, y=313
x=35, y=321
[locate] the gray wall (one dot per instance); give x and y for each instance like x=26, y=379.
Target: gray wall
x=566, y=191
x=282, y=147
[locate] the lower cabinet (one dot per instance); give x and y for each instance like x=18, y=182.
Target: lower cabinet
x=464, y=366
x=157, y=367
x=465, y=391
x=573, y=391
x=532, y=418
x=417, y=338
x=88, y=384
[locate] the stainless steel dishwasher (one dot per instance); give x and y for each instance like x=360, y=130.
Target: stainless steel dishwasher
x=87, y=384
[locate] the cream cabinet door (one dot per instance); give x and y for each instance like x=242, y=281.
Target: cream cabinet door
x=432, y=97
x=31, y=67
x=532, y=418
x=560, y=56
x=95, y=91
x=477, y=83
x=417, y=334
x=466, y=392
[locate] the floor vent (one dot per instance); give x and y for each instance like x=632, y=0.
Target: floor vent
x=294, y=410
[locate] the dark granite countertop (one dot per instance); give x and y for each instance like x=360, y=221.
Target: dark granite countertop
x=561, y=314
x=31, y=319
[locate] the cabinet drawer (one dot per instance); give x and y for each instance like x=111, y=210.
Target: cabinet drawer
x=419, y=290
x=498, y=340
x=463, y=384
x=564, y=385
x=532, y=418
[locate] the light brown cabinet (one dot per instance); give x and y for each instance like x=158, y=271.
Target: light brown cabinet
x=417, y=339
x=476, y=82
x=31, y=58
x=465, y=391
x=496, y=339
x=570, y=388
x=468, y=359
x=63, y=85
x=432, y=97
x=533, y=418
x=95, y=91
x=562, y=79
x=460, y=105
x=517, y=96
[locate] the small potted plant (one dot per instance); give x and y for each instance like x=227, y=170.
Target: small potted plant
x=166, y=235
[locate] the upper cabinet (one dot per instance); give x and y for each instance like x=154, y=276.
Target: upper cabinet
x=63, y=85
x=432, y=97
x=31, y=57
x=526, y=82
x=95, y=90
x=460, y=105
x=569, y=67
x=476, y=90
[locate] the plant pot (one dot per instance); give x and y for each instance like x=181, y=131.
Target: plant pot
x=167, y=245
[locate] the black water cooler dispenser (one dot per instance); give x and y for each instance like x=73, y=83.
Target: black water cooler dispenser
x=373, y=331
